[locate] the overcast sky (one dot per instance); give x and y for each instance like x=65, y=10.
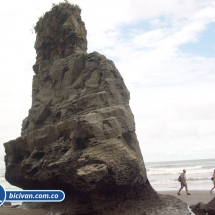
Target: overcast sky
x=165, y=51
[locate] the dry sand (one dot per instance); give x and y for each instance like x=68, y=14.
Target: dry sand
x=195, y=197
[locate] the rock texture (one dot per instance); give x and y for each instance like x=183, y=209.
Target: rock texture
x=60, y=33
x=80, y=131
x=79, y=135
x=202, y=209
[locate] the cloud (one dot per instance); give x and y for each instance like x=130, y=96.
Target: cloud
x=197, y=112
x=155, y=54
x=171, y=90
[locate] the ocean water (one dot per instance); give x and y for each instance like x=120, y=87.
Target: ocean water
x=164, y=175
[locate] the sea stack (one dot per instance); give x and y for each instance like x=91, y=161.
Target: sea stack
x=79, y=135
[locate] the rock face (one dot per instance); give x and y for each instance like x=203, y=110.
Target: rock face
x=79, y=136
x=80, y=132
x=60, y=33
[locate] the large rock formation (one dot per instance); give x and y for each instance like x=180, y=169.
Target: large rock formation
x=79, y=135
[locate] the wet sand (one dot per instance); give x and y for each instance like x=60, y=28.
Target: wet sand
x=19, y=211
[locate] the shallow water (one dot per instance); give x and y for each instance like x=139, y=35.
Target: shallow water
x=163, y=175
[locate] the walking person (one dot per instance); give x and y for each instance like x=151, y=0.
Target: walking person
x=213, y=182
x=183, y=183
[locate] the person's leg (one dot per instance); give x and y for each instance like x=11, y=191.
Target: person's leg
x=212, y=188
x=182, y=186
x=187, y=189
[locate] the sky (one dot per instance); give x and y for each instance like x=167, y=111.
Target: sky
x=165, y=51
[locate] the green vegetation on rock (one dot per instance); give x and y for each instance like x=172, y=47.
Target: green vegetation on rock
x=62, y=8
x=60, y=32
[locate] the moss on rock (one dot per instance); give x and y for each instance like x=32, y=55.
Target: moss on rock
x=60, y=32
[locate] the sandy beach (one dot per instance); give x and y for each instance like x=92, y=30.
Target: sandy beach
x=19, y=211
x=195, y=197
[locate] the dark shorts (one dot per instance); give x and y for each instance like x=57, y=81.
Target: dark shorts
x=182, y=184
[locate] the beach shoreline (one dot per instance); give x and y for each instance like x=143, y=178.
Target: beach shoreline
x=195, y=197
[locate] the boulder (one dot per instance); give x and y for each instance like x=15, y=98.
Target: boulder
x=202, y=209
